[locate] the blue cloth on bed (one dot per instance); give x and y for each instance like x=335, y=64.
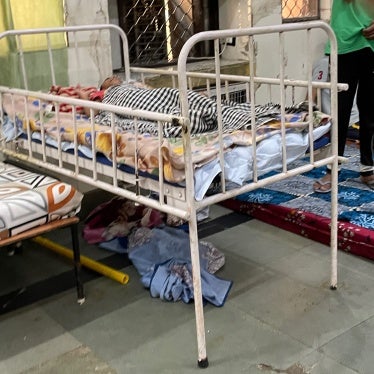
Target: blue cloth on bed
x=9, y=131
x=164, y=263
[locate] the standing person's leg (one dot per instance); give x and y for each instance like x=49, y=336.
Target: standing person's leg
x=347, y=73
x=366, y=112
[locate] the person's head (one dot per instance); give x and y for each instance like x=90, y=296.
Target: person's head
x=113, y=80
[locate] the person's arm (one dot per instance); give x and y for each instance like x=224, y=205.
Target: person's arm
x=85, y=95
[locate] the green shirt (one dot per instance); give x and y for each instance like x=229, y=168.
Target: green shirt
x=348, y=20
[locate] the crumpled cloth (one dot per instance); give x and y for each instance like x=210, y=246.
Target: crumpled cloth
x=162, y=258
x=172, y=281
x=116, y=218
x=72, y=91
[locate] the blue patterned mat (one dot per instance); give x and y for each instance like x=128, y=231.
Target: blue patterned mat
x=355, y=199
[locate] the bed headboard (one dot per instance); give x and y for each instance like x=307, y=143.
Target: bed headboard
x=82, y=56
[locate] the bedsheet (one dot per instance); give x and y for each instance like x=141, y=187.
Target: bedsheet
x=205, y=146
x=29, y=199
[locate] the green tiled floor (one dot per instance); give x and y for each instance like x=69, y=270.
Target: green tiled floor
x=280, y=316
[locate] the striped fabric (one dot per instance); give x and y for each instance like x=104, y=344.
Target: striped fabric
x=202, y=110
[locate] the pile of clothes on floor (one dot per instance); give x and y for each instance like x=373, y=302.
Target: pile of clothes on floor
x=160, y=252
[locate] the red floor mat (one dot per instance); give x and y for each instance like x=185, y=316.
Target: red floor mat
x=351, y=238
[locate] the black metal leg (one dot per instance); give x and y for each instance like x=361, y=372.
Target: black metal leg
x=77, y=262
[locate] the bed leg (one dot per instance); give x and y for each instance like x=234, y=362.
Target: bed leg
x=203, y=363
x=198, y=297
x=334, y=226
x=77, y=263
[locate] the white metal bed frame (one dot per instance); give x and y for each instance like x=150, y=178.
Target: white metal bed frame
x=172, y=199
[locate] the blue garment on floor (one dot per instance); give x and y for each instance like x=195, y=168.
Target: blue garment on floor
x=164, y=263
x=168, y=284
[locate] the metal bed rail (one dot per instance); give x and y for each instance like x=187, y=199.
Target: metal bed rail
x=90, y=171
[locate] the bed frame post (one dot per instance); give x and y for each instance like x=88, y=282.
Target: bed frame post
x=334, y=165
x=77, y=262
x=202, y=360
x=198, y=297
x=192, y=220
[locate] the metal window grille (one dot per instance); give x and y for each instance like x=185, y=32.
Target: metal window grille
x=300, y=10
x=236, y=92
x=157, y=29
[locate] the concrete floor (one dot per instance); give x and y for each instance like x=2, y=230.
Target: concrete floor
x=280, y=316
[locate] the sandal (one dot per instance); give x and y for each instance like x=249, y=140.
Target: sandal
x=324, y=187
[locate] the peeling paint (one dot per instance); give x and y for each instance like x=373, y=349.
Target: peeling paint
x=264, y=8
x=94, y=56
x=99, y=49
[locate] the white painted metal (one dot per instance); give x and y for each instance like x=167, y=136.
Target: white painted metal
x=333, y=159
x=180, y=200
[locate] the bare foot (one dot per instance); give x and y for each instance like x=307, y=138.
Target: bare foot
x=368, y=180
x=323, y=185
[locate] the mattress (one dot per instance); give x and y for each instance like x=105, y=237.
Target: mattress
x=29, y=199
x=237, y=145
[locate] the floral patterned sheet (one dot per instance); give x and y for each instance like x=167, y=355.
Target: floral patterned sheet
x=29, y=199
x=205, y=146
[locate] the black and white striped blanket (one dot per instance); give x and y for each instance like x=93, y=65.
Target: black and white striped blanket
x=202, y=110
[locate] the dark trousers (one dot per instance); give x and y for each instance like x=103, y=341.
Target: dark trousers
x=357, y=69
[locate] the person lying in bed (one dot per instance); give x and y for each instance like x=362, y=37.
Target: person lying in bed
x=203, y=111
x=140, y=96
x=83, y=92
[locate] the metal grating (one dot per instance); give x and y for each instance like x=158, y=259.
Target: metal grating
x=299, y=10
x=157, y=29
x=236, y=92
